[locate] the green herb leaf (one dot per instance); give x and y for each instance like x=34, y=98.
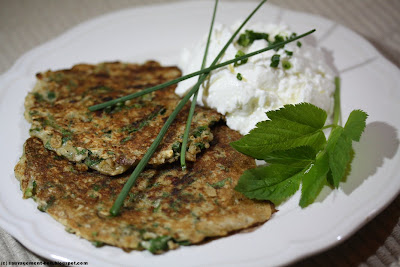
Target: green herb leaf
x=339, y=148
x=314, y=179
x=293, y=144
x=339, y=145
x=274, y=182
x=298, y=156
x=289, y=127
x=355, y=124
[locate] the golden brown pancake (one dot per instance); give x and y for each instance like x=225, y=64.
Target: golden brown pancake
x=116, y=138
x=165, y=208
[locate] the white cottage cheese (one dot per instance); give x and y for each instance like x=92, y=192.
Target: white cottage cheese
x=262, y=88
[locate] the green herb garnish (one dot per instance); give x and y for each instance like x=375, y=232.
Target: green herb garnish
x=275, y=61
x=301, y=155
x=200, y=145
x=157, y=244
x=278, y=39
x=30, y=190
x=249, y=36
x=239, y=76
x=48, y=145
x=286, y=64
x=47, y=204
x=240, y=53
x=38, y=97
x=97, y=244
x=289, y=53
x=92, y=161
x=221, y=183
x=51, y=95
x=299, y=44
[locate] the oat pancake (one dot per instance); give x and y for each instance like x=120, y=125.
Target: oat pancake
x=166, y=207
x=114, y=139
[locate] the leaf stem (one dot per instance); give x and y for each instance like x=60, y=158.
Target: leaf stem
x=329, y=126
x=337, y=116
x=194, y=99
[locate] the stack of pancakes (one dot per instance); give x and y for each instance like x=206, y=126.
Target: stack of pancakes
x=76, y=162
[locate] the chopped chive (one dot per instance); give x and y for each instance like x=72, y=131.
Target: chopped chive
x=289, y=53
x=275, y=60
x=239, y=76
x=286, y=64
x=247, y=38
x=241, y=62
x=299, y=44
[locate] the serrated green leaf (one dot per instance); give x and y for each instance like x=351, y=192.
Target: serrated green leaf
x=339, y=148
x=355, y=124
x=289, y=127
x=274, y=182
x=302, y=113
x=298, y=156
x=314, y=179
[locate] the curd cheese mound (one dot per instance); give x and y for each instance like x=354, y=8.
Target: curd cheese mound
x=244, y=93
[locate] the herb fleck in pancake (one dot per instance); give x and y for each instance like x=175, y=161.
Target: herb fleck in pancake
x=114, y=139
x=165, y=208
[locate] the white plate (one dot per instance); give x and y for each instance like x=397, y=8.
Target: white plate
x=160, y=32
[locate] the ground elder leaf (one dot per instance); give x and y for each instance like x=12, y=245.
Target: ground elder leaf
x=273, y=182
x=289, y=127
x=302, y=113
x=339, y=148
x=298, y=156
x=314, y=179
x=355, y=124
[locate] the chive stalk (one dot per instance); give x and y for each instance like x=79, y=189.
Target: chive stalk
x=194, y=99
x=143, y=162
x=115, y=209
